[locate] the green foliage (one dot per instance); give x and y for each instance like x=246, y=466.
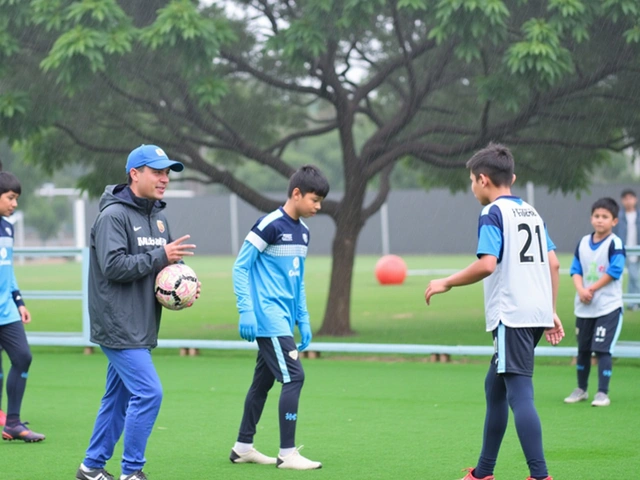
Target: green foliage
x=181, y=22
x=541, y=52
x=470, y=23
x=13, y=103
x=157, y=75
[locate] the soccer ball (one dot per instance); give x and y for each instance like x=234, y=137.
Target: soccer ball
x=176, y=286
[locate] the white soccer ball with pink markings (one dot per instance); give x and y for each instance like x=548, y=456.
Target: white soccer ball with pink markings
x=176, y=286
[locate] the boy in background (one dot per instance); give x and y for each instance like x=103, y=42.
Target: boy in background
x=628, y=229
x=517, y=261
x=268, y=280
x=13, y=316
x=597, y=275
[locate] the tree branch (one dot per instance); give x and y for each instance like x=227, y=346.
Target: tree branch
x=244, y=66
x=388, y=68
x=556, y=142
x=268, y=12
x=90, y=146
x=419, y=150
x=405, y=54
x=381, y=139
x=282, y=144
x=383, y=192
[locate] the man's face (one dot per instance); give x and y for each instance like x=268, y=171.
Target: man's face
x=149, y=183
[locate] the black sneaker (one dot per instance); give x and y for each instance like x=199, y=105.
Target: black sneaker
x=139, y=475
x=86, y=473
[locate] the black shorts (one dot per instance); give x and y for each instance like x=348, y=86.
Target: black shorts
x=515, y=349
x=281, y=357
x=599, y=334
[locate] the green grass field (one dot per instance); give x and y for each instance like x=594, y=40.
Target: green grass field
x=364, y=418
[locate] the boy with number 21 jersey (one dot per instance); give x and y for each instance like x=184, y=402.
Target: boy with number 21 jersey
x=517, y=262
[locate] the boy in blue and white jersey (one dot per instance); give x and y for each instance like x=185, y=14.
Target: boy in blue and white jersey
x=597, y=275
x=517, y=262
x=13, y=316
x=268, y=279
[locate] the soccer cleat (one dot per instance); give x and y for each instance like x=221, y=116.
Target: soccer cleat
x=21, y=432
x=531, y=478
x=252, y=456
x=139, y=475
x=469, y=475
x=3, y=418
x=601, y=400
x=86, y=473
x=295, y=461
x=578, y=395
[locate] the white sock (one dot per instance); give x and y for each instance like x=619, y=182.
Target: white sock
x=84, y=468
x=286, y=451
x=240, y=447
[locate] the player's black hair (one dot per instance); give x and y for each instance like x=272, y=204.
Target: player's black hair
x=607, y=203
x=496, y=162
x=9, y=183
x=309, y=179
x=628, y=191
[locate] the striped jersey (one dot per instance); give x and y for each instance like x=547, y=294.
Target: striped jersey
x=518, y=293
x=268, y=274
x=8, y=310
x=591, y=261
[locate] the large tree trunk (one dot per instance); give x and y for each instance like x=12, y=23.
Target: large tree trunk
x=337, y=319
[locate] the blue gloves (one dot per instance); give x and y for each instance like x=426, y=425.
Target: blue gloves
x=305, y=335
x=248, y=326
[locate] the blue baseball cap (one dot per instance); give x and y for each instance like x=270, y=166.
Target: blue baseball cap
x=152, y=156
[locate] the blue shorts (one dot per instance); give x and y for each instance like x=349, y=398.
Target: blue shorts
x=514, y=349
x=599, y=334
x=281, y=357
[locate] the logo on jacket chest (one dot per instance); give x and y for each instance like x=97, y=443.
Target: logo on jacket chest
x=151, y=241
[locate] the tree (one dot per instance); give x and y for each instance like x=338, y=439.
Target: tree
x=82, y=81
x=47, y=215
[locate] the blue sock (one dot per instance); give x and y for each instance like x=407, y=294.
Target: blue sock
x=583, y=367
x=605, y=365
x=495, y=422
x=520, y=397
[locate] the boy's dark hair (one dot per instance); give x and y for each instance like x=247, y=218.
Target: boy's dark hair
x=607, y=203
x=309, y=179
x=628, y=191
x=9, y=183
x=496, y=162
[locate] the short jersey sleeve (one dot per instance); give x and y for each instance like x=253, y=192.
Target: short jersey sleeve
x=490, y=232
x=550, y=244
x=617, y=256
x=576, y=266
